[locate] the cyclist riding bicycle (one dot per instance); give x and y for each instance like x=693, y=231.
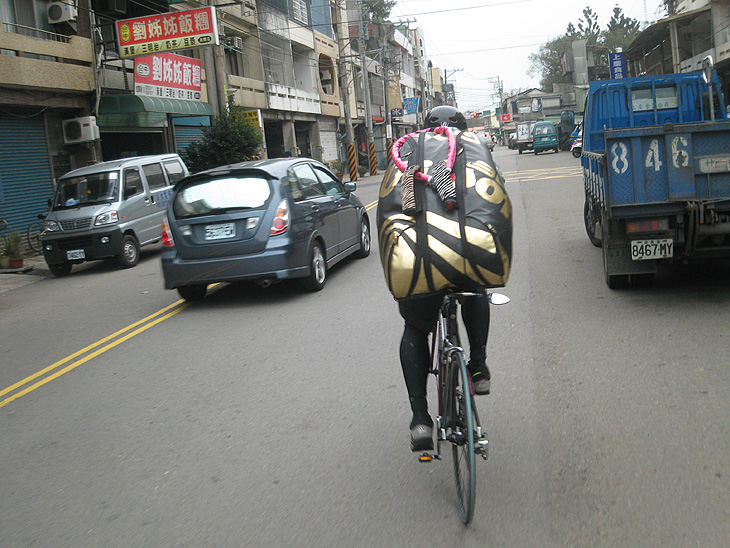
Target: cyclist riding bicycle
x=420, y=315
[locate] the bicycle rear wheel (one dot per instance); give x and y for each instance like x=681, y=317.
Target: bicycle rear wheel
x=34, y=236
x=460, y=427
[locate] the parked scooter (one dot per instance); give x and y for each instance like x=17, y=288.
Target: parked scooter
x=577, y=147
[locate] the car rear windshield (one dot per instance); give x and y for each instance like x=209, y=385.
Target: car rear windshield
x=544, y=130
x=221, y=195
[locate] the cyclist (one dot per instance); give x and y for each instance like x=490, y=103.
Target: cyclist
x=420, y=315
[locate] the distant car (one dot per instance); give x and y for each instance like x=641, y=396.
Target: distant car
x=490, y=140
x=266, y=220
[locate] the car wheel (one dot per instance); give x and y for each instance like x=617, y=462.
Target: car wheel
x=193, y=292
x=130, y=252
x=365, y=240
x=60, y=269
x=576, y=153
x=318, y=269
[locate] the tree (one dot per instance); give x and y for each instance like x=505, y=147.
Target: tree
x=229, y=140
x=547, y=63
x=379, y=10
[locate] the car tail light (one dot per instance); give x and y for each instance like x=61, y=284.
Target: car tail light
x=167, y=240
x=281, y=219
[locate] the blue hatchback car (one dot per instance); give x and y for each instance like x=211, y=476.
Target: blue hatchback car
x=265, y=220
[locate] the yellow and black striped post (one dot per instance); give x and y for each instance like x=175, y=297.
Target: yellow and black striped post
x=373, y=160
x=352, y=162
x=389, y=157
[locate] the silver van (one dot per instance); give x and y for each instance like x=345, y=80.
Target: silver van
x=109, y=210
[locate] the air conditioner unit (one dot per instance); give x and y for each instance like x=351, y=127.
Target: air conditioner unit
x=62, y=12
x=236, y=42
x=80, y=130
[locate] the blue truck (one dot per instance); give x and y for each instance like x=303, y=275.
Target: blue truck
x=656, y=168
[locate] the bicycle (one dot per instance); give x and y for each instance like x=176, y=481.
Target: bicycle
x=36, y=230
x=458, y=420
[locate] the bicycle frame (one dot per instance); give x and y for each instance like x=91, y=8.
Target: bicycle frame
x=445, y=342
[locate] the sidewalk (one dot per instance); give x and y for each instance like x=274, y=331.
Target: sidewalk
x=34, y=269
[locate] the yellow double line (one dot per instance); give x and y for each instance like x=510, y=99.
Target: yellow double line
x=146, y=323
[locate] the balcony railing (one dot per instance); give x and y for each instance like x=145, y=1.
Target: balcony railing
x=35, y=33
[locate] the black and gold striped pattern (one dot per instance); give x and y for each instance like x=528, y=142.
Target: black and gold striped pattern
x=466, y=249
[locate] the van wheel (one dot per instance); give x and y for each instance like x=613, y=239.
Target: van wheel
x=194, y=292
x=130, y=252
x=60, y=269
x=317, y=270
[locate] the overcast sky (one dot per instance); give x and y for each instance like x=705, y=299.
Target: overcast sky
x=487, y=39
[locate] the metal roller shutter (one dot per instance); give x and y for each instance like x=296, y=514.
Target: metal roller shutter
x=24, y=170
x=184, y=135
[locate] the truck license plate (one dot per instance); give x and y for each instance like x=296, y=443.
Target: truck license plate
x=75, y=254
x=652, y=249
x=220, y=231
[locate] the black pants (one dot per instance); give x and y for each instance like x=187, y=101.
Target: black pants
x=420, y=315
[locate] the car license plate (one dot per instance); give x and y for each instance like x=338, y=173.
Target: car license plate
x=652, y=249
x=75, y=254
x=220, y=231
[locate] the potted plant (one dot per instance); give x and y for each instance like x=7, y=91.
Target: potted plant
x=338, y=167
x=13, y=249
x=4, y=254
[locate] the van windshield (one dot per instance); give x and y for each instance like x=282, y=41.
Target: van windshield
x=90, y=189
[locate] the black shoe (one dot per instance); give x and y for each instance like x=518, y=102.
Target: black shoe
x=422, y=434
x=481, y=379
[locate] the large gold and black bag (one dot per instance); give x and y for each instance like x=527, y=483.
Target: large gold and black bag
x=431, y=248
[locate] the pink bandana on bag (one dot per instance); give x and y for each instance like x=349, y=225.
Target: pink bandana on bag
x=441, y=176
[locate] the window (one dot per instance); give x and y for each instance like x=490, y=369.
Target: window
x=331, y=186
x=304, y=183
x=221, y=196
x=154, y=175
x=299, y=9
x=643, y=101
x=132, y=182
x=174, y=171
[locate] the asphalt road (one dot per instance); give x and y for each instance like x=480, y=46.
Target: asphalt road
x=277, y=418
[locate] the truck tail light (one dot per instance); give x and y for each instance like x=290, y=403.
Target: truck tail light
x=167, y=240
x=281, y=219
x=652, y=225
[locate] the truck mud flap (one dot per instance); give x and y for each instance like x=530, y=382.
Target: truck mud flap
x=618, y=261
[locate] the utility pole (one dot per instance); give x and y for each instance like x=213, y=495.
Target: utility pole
x=344, y=77
x=446, y=79
x=368, y=106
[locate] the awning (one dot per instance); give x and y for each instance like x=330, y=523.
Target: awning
x=659, y=31
x=132, y=104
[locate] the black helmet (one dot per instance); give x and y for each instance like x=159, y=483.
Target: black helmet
x=445, y=115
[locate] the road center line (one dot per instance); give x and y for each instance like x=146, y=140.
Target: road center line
x=177, y=306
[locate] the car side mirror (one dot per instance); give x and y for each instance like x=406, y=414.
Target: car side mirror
x=350, y=186
x=129, y=191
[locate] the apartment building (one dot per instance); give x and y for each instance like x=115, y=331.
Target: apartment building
x=71, y=95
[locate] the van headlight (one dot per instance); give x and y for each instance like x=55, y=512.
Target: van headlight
x=107, y=218
x=51, y=226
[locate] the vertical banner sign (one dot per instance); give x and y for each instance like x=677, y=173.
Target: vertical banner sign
x=167, y=32
x=169, y=76
x=618, y=68
x=395, y=99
